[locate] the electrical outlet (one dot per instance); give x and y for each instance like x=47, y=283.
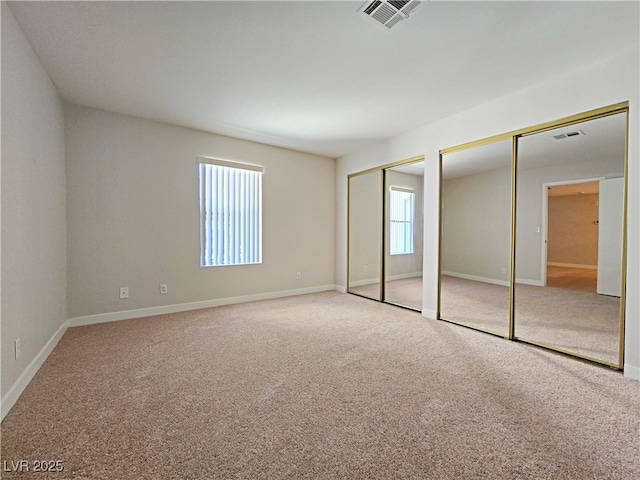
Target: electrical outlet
x=18, y=348
x=124, y=292
x=298, y=275
x=163, y=289
x=504, y=271
x=366, y=268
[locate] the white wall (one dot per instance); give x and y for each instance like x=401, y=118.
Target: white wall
x=476, y=226
x=366, y=229
x=595, y=86
x=33, y=205
x=133, y=216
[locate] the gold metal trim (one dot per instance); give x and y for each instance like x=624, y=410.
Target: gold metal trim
x=567, y=352
x=440, y=234
x=363, y=172
x=623, y=281
x=417, y=158
x=347, y=286
x=579, y=118
x=474, y=327
x=406, y=307
x=383, y=198
x=591, y=115
x=512, y=272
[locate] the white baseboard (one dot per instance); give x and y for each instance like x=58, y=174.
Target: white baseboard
x=572, y=265
x=390, y=278
x=9, y=400
x=27, y=375
x=366, y=281
x=527, y=281
x=402, y=276
x=632, y=372
x=429, y=314
x=504, y=283
x=476, y=278
x=183, y=307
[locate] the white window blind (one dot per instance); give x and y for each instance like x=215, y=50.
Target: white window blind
x=401, y=220
x=230, y=212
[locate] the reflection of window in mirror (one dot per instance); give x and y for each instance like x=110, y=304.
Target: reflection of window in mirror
x=401, y=220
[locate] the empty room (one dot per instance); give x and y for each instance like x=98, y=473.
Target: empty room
x=320, y=239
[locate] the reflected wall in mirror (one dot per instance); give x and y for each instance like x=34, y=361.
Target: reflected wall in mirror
x=475, y=246
x=404, y=234
x=569, y=238
x=365, y=234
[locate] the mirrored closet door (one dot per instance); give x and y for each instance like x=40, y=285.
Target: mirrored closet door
x=475, y=255
x=533, y=235
x=365, y=234
x=385, y=233
x=404, y=235
x=569, y=238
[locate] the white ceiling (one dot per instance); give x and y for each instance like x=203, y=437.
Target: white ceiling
x=313, y=76
x=602, y=141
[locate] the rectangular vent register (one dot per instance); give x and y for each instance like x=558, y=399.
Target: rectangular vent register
x=388, y=13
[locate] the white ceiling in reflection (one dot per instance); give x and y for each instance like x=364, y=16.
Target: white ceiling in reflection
x=568, y=189
x=601, y=140
x=415, y=168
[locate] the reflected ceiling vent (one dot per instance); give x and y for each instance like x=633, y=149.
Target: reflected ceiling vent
x=387, y=13
x=577, y=133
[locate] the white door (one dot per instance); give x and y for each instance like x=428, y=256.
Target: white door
x=611, y=208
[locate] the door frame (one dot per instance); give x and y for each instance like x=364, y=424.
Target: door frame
x=544, y=234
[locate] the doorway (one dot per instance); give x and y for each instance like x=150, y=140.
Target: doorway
x=571, y=245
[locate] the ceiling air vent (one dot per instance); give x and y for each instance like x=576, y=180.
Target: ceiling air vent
x=387, y=13
x=569, y=134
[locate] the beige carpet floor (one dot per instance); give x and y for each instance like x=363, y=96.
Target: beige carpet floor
x=578, y=321
x=322, y=386
x=370, y=290
x=406, y=292
x=483, y=305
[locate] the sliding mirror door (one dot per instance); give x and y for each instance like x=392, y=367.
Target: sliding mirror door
x=475, y=243
x=404, y=235
x=569, y=238
x=365, y=234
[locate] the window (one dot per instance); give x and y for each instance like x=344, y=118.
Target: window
x=230, y=213
x=401, y=220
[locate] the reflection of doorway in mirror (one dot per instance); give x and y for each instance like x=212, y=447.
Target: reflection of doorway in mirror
x=572, y=235
x=561, y=313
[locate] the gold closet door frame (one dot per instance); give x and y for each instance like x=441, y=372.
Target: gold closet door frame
x=514, y=135
x=381, y=169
